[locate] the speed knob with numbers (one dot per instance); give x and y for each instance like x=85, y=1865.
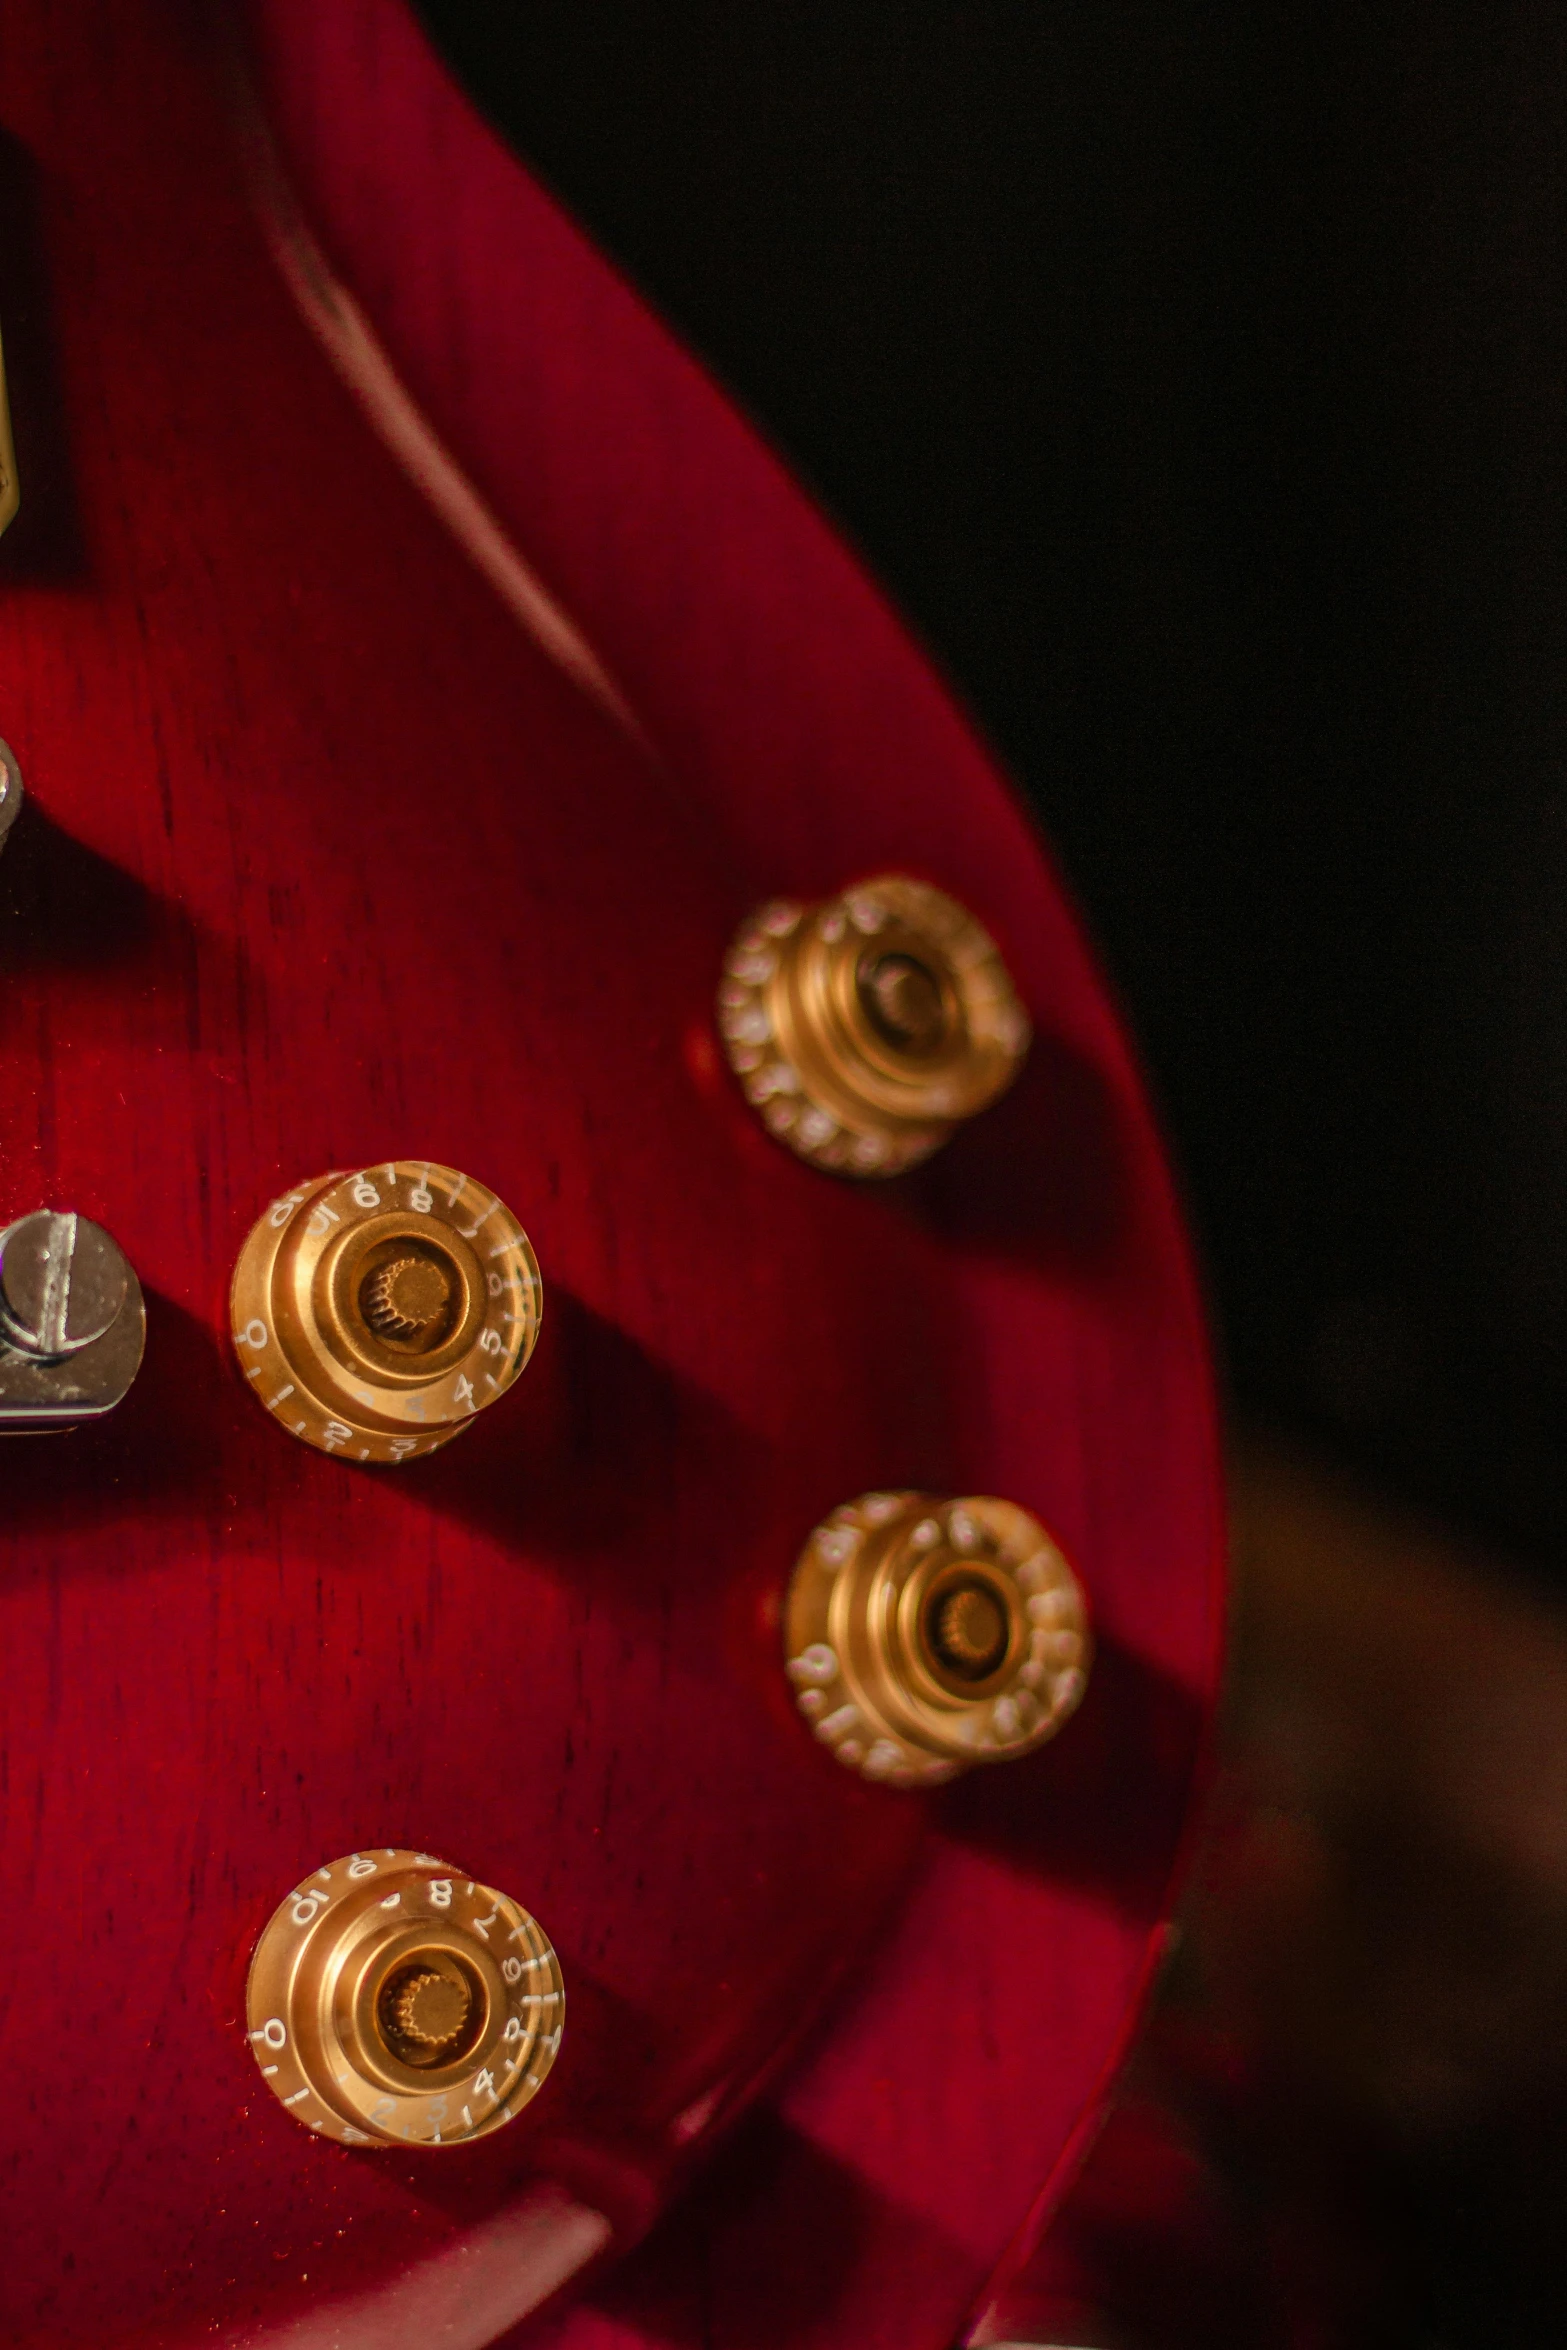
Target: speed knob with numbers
x=866, y=1028
x=923, y=1635
x=73, y=1322
x=377, y=1313
x=392, y=1999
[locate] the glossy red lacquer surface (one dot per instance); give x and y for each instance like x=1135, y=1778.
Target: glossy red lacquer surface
x=325, y=862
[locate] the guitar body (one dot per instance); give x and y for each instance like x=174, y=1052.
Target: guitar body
x=328, y=861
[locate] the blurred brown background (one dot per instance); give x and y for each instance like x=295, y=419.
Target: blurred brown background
x=1347, y=2121
x=1196, y=377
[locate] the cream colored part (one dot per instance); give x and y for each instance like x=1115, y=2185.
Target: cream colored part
x=350, y=342
x=463, y=2298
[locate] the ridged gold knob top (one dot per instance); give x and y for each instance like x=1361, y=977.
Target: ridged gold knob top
x=408, y=1300
x=968, y=1632
x=924, y=1635
x=865, y=1028
x=392, y=2000
x=376, y=1313
x=424, y=2014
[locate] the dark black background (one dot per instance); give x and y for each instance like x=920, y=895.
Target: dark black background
x=1195, y=378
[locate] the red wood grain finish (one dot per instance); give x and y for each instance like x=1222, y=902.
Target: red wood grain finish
x=325, y=863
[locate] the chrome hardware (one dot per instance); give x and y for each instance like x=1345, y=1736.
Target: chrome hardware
x=72, y=1322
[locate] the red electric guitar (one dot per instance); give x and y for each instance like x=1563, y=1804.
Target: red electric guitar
x=419, y=675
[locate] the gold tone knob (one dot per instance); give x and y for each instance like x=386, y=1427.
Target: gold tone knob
x=424, y=2014
x=866, y=1028
x=391, y=2000
x=924, y=1635
x=377, y=1313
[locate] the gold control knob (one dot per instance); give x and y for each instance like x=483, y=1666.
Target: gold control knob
x=924, y=1635
x=391, y=2000
x=377, y=1313
x=866, y=1028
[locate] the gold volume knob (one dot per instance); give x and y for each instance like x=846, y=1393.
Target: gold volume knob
x=375, y=1314
x=392, y=2000
x=866, y=1028
x=924, y=1635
